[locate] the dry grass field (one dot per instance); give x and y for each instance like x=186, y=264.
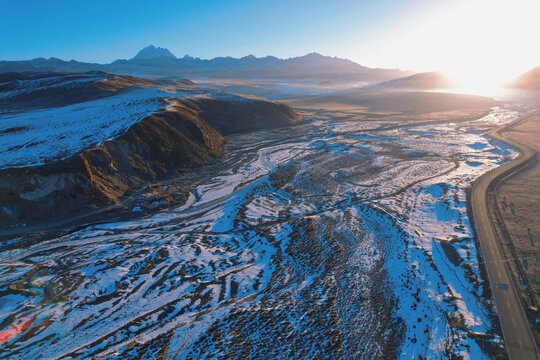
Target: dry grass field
x=518, y=200
x=401, y=106
x=349, y=101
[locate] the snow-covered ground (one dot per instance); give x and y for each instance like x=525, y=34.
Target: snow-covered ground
x=32, y=138
x=338, y=240
x=35, y=137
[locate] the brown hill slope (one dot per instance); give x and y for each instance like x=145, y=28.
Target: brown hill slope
x=28, y=91
x=421, y=81
x=189, y=133
x=527, y=81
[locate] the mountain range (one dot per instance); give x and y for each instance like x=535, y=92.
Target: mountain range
x=158, y=62
x=420, y=81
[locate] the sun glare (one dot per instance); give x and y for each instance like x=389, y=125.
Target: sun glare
x=480, y=44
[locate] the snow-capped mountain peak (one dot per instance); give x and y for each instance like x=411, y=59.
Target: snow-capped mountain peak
x=152, y=52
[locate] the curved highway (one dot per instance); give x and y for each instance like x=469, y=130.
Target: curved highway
x=517, y=335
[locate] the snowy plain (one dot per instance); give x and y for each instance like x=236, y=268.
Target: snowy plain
x=347, y=239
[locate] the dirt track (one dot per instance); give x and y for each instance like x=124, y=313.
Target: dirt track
x=517, y=334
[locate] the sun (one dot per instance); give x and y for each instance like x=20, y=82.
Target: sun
x=480, y=44
x=487, y=42
x=478, y=80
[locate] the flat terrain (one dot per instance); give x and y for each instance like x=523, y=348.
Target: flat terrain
x=517, y=200
x=515, y=326
x=349, y=101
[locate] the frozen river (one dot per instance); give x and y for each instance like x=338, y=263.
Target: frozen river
x=327, y=240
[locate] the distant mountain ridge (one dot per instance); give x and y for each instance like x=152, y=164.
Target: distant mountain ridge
x=421, y=81
x=527, y=81
x=159, y=62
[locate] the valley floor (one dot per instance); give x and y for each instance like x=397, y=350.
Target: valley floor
x=515, y=206
x=346, y=239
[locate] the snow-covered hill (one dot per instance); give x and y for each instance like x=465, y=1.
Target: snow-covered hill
x=52, y=116
x=90, y=139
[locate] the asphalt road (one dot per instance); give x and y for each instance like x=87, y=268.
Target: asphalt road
x=517, y=335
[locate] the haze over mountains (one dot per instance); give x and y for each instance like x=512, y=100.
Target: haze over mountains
x=159, y=62
x=528, y=81
x=420, y=81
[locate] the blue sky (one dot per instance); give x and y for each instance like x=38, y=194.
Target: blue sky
x=467, y=38
x=103, y=31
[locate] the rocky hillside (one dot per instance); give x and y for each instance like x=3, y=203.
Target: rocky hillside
x=187, y=131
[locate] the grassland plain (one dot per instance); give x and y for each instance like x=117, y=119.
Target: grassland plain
x=516, y=205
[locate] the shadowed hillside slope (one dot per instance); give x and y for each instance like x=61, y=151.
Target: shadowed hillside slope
x=24, y=91
x=186, y=133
